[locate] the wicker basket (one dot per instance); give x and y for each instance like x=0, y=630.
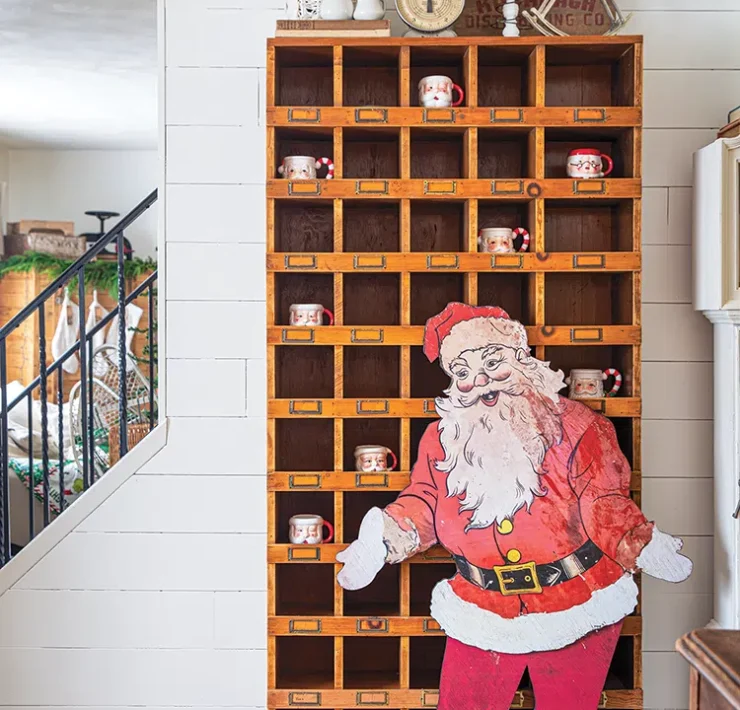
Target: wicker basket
x=134, y=433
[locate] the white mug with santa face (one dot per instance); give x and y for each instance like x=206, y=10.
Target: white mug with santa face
x=500, y=240
x=589, y=384
x=371, y=457
x=587, y=163
x=304, y=167
x=436, y=92
x=309, y=530
x=309, y=314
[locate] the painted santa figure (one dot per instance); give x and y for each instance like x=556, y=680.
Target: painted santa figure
x=529, y=492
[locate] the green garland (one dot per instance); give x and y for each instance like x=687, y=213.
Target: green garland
x=101, y=275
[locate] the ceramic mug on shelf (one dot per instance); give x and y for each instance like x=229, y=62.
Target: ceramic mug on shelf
x=436, y=92
x=500, y=240
x=586, y=163
x=309, y=530
x=589, y=384
x=304, y=167
x=372, y=457
x=309, y=314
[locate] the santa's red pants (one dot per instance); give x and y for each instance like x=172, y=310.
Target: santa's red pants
x=570, y=678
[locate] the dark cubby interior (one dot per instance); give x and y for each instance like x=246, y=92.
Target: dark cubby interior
x=381, y=598
x=370, y=76
x=437, y=154
x=304, y=661
x=301, y=288
x=371, y=226
x=587, y=225
x=314, y=142
x=371, y=299
x=304, y=590
x=430, y=293
x=371, y=153
x=594, y=357
x=304, y=76
x=418, y=427
x=588, y=299
x=423, y=580
x=425, y=660
x=304, y=373
x=290, y=503
x=428, y=379
x=616, y=143
x=507, y=291
x=356, y=505
x=371, y=662
x=503, y=154
x=624, y=427
x=362, y=432
x=622, y=670
x=372, y=371
x=436, y=61
x=438, y=225
x=503, y=76
x=304, y=444
x=304, y=226
x=497, y=213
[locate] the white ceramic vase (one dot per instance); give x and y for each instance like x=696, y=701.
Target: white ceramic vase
x=336, y=9
x=369, y=10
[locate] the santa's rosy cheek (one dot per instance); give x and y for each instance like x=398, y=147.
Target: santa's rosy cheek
x=465, y=386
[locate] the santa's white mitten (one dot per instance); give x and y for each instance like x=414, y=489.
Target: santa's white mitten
x=365, y=557
x=660, y=558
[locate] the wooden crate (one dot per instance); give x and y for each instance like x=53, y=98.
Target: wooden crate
x=387, y=244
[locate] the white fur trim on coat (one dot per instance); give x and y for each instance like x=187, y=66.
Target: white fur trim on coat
x=527, y=633
x=478, y=333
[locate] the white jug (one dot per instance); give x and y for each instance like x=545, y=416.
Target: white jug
x=369, y=10
x=336, y=9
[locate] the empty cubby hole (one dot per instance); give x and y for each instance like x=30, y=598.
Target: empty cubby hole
x=365, y=432
x=417, y=429
x=508, y=291
x=430, y=293
x=425, y=660
x=625, y=428
x=428, y=379
x=371, y=299
x=504, y=153
x=621, y=674
x=371, y=662
x=588, y=225
x=437, y=153
x=304, y=372
x=500, y=213
x=313, y=142
x=438, y=225
x=290, y=503
x=304, y=590
x=597, y=75
x=423, y=580
x=372, y=226
x=370, y=76
x=588, y=299
x=304, y=661
x=304, y=76
x=436, y=60
x=304, y=226
x=304, y=444
x=302, y=288
x=356, y=505
x=504, y=77
x=594, y=357
x=371, y=153
x=617, y=143
x=372, y=371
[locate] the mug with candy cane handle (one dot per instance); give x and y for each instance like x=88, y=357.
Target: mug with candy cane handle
x=589, y=384
x=304, y=167
x=500, y=240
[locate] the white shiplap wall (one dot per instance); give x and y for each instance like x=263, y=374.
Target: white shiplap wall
x=158, y=598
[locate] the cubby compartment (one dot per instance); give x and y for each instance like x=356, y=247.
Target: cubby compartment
x=313, y=142
x=430, y=293
x=589, y=225
x=371, y=153
x=425, y=660
x=289, y=503
x=438, y=225
x=371, y=662
x=371, y=299
x=372, y=226
x=594, y=357
x=304, y=76
x=507, y=291
x=504, y=76
x=304, y=373
x=304, y=444
x=590, y=75
x=418, y=427
x=622, y=670
x=304, y=590
x=356, y=505
x=362, y=432
x=437, y=60
x=625, y=427
x=423, y=580
x=588, y=299
x=371, y=76
x=504, y=153
x=302, y=288
x=437, y=153
x=304, y=226
x=304, y=661
x=617, y=143
x=372, y=371
x=428, y=379
x=500, y=213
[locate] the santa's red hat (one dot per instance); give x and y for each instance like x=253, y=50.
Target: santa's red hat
x=460, y=327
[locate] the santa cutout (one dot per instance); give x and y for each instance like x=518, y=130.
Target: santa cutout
x=529, y=492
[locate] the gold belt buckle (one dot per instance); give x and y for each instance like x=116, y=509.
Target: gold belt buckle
x=518, y=579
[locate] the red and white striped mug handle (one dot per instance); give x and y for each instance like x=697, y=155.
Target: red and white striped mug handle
x=617, y=375
x=394, y=460
x=524, y=234
x=329, y=315
x=610, y=165
x=329, y=166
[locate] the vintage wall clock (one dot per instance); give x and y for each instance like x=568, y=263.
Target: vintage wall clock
x=430, y=17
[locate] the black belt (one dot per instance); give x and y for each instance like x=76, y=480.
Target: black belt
x=530, y=578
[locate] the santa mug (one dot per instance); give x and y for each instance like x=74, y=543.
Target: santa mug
x=309, y=314
x=309, y=530
x=589, y=384
x=371, y=457
x=587, y=163
x=436, y=92
x=304, y=167
x=500, y=240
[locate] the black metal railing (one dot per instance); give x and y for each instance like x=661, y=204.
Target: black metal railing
x=111, y=392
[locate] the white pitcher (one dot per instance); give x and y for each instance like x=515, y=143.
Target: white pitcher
x=336, y=9
x=369, y=10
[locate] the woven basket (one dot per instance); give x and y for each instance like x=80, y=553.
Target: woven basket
x=134, y=433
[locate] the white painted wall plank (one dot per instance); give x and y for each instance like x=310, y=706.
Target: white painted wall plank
x=655, y=215
x=203, y=388
x=668, y=617
x=666, y=274
x=240, y=620
x=679, y=506
x=675, y=332
x=677, y=390
x=666, y=681
x=667, y=155
x=672, y=448
x=257, y=388
x=700, y=550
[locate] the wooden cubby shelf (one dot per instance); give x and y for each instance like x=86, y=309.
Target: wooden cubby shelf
x=385, y=245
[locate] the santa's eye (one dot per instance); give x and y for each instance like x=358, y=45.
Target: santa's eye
x=492, y=363
x=462, y=374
